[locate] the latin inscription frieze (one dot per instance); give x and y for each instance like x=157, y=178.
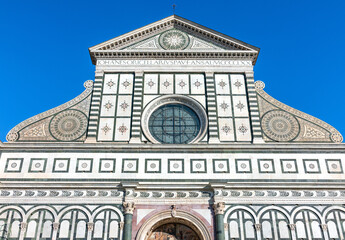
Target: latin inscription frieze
x=149, y=62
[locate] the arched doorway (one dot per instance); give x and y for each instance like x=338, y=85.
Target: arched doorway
x=182, y=226
x=173, y=231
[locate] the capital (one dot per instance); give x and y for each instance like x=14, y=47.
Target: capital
x=257, y=226
x=23, y=226
x=122, y=224
x=219, y=208
x=129, y=207
x=90, y=226
x=56, y=226
x=292, y=226
x=324, y=227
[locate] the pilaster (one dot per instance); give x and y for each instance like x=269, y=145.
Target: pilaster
x=211, y=108
x=253, y=108
x=137, y=107
x=95, y=107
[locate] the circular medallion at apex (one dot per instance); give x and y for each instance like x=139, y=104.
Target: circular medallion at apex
x=280, y=126
x=173, y=231
x=174, y=40
x=174, y=123
x=68, y=125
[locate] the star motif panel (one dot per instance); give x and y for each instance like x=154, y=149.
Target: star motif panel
x=222, y=84
x=243, y=132
x=232, y=108
x=197, y=83
x=126, y=84
x=226, y=129
x=240, y=106
x=106, y=129
x=109, y=105
x=224, y=106
x=166, y=85
x=124, y=106
x=157, y=84
x=110, y=83
x=179, y=83
x=151, y=84
x=116, y=107
x=122, y=129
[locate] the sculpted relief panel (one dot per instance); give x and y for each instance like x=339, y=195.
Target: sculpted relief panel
x=173, y=231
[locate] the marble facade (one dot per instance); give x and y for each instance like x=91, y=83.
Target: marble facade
x=93, y=169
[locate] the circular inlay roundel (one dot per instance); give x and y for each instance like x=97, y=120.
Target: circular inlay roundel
x=174, y=40
x=68, y=125
x=280, y=126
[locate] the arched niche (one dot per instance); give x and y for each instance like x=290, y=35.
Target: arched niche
x=180, y=218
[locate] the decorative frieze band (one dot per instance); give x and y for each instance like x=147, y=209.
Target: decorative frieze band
x=175, y=194
x=280, y=194
x=60, y=193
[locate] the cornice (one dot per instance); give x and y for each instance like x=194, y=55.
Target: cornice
x=122, y=54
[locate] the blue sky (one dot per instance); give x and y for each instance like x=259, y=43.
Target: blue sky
x=45, y=61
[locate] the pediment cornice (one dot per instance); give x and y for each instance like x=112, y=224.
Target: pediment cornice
x=233, y=48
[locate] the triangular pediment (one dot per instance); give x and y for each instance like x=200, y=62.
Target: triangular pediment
x=175, y=40
x=189, y=37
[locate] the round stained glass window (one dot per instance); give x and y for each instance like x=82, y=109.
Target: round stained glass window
x=174, y=124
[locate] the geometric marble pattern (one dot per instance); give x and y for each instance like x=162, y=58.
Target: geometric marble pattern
x=266, y=166
x=61, y=165
x=152, y=165
x=38, y=165
x=179, y=83
x=243, y=166
x=311, y=166
x=175, y=166
x=221, y=166
x=334, y=166
x=129, y=165
x=14, y=165
x=289, y=165
x=106, y=165
x=198, y=166
x=84, y=165
x=116, y=107
x=169, y=164
x=232, y=108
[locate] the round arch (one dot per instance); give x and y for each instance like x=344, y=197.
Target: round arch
x=115, y=209
x=243, y=208
x=16, y=208
x=313, y=210
x=39, y=208
x=281, y=210
x=65, y=210
x=181, y=217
